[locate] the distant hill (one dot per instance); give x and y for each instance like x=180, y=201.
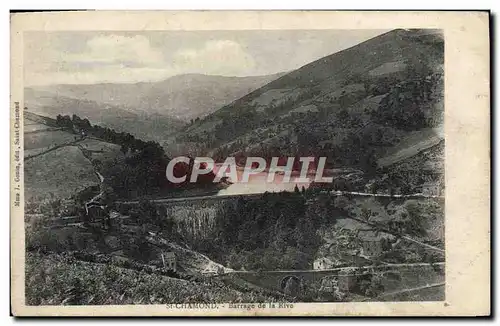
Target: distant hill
x=353, y=106
x=149, y=126
x=181, y=97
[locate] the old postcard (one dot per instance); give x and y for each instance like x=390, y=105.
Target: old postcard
x=250, y=163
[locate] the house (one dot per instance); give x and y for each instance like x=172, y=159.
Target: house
x=374, y=243
x=169, y=261
x=95, y=211
x=323, y=263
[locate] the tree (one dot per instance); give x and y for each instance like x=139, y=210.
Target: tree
x=375, y=287
x=416, y=217
x=86, y=124
x=292, y=287
x=306, y=236
x=64, y=121
x=124, y=149
x=341, y=202
x=366, y=213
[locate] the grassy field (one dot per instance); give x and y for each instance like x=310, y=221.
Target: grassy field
x=47, y=139
x=32, y=127
x=102, y=150
x=61, y=172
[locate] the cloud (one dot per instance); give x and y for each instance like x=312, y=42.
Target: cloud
x=118, y=49
x=125, y=59
x=95, y=57
x=105, y=58
x=222, y=57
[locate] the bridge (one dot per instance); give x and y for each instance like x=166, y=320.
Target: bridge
x=394, y=277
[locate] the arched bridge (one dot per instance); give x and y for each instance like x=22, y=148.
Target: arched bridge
x=394, y=276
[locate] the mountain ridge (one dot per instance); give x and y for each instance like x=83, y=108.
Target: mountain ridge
x=357, y=80
x=353, y=107
x=182, y=97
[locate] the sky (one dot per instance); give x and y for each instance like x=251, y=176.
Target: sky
x=130, y=57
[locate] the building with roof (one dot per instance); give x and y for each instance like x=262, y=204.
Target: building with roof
x=323, y=263
x=95, y=211
x=169, y=261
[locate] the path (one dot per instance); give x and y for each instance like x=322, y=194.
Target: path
x=42, y=130
x=72, y=143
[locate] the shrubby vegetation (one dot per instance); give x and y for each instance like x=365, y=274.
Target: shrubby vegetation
x=141, y=172
x=138, y=174
x=404, y=105
x=125, y=140
x=60, y=280
x=276, y=231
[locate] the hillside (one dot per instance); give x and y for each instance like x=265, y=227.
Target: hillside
x=353, y=106
x=70, y=262
x=414, y=171
x=181, y=97
x=414, y=143
x=57, y=162
x=64, y=156
x=58, y=173
x=59, y=280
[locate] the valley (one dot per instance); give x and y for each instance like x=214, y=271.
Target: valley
x=104, y=225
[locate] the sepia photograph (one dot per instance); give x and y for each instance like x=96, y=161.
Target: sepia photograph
x=236, y=169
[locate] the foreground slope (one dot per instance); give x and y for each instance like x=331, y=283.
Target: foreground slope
x=57, y=280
